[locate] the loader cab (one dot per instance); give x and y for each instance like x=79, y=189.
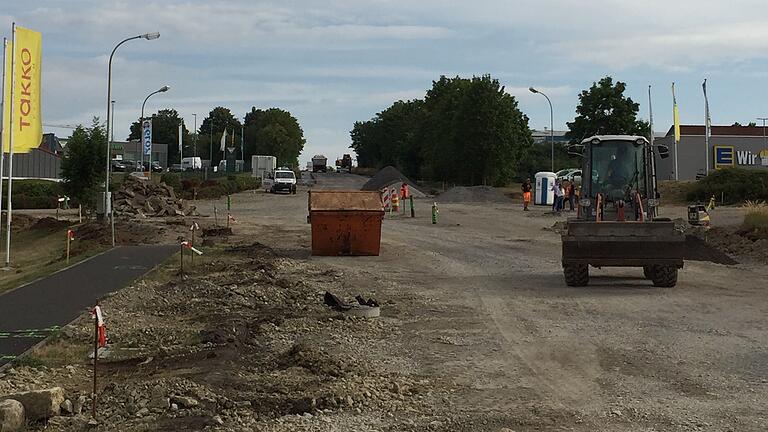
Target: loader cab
x=616, y=169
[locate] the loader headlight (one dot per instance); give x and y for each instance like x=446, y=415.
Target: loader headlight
x=653, y=202
x=585, y=202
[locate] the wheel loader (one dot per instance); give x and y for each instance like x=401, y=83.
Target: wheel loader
x=617, y=223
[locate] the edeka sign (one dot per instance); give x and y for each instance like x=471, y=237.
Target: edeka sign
x=728, y=156
x=724, y=156
x=146, y=136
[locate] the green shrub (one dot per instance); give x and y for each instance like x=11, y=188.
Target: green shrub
x=732, y=185
x=34, y=194
x=172, y=179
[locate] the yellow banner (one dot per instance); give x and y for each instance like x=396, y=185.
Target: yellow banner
x=27, y=112
x=677, y=123
x=7, y=94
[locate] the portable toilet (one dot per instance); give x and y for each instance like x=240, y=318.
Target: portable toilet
x=543, y=193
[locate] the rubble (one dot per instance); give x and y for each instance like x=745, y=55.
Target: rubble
x=11, y=416
x=143, y=198
x=40, y=404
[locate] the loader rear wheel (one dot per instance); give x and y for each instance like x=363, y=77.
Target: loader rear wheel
x=576, y=275
x=664, y=276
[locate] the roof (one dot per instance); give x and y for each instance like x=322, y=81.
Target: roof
x=345, y=201
x=718, y=130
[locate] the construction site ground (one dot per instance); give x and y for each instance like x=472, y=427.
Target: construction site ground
x=478, y=332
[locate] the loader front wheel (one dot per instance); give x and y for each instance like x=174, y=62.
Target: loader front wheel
x=576, y=275
x=648, y=272
x=664, y=276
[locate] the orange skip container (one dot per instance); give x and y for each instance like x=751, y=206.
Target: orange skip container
x=345, y=222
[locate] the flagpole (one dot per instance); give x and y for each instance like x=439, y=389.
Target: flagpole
x=707, y=127
x=2, y=128
x=242, y=144
x=10, y=151
x=676, y=128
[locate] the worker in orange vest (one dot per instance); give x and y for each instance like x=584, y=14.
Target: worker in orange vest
x=404, y=194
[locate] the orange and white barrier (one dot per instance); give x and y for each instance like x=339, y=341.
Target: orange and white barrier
x=386, y=198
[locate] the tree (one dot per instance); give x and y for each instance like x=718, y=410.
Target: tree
x=604, y=110
x=274, y=132
x=165, y=130
x=209, y=141
x=82, y=166
x=465, y=130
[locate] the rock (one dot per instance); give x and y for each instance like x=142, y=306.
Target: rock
x=11, y=415
x=40, y=404
x=77, y=406
x=142, y=412
x=66, y=407
x=218, y=420
x=184, y=401
x=174, y=407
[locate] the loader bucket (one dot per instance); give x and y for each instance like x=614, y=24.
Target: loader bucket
x=623, y=244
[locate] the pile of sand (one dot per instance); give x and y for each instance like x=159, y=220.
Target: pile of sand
x=461, y=194
x=389, y=177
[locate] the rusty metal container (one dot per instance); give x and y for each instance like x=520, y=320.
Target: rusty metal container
x=345, y=222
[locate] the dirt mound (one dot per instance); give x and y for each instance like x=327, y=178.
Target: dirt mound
x=461, y=194
x=20, y=222
x=390, y=177
x=697, y=249
x=125, y=233
x=735, y=242
x=48, y=224
x=143, y=198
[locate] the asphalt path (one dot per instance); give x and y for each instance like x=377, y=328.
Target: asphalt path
x=29, y=313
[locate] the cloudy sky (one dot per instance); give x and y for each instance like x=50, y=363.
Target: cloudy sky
x=334, y=62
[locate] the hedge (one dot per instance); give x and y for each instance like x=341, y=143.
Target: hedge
x=34, y=194
x=732, y=185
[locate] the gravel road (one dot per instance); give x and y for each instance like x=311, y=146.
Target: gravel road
x=495, y=318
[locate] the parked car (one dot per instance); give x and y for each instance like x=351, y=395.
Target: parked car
x=175, y=168
x=572, y=175
x=156, y=167
x=118, y=165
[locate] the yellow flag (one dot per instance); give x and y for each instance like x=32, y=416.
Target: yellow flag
x=675, y=115
x=27, y=112
x=7, y=95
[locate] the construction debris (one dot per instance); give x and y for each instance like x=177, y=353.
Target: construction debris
x=143, y=198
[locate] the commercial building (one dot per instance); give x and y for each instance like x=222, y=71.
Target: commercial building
x=43, y=162
x=131, y=150
x=730, y=146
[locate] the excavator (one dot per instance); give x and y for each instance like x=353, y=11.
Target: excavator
x=617, y=222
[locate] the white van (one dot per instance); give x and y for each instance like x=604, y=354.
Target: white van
x=280, y=180
x=191, y=164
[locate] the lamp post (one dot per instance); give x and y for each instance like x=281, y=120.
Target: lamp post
x=112, y=126
x=195, y=148
x=551, y=125
x=162, y=89
x=147, y=36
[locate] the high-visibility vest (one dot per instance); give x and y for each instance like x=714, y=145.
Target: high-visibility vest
x=395, y=202
x=404, y=191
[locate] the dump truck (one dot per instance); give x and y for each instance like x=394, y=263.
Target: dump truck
x=344, y=164
x=319, y=163
x=617, y=223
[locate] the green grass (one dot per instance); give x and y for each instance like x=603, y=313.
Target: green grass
x=38, y=253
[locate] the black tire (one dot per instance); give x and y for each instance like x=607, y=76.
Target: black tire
x=648, y=272
x=576, y=275
x=664, y=276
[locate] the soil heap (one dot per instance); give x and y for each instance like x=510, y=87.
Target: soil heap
x=143, y=198
x=389, y=177
x=460, y=194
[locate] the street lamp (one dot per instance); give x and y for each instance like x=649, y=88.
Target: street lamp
x=551, y=124
x=147, y=36
x=162, y=89
x=195, y=148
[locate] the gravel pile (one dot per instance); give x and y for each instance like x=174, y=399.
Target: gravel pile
x=461, y=194
x=389, y=177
